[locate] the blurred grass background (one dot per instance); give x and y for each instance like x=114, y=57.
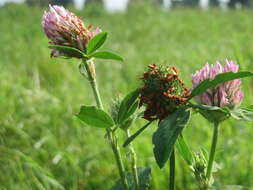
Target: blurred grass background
x=43, y=146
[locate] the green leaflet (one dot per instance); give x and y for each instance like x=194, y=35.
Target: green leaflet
x=96, y=42
x=106, y=55
x=167, y=133
x=95, y=117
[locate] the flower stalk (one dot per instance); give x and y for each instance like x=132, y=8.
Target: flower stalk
x=118, y=158
x=212, y=151
x=172, y=171
x=91, y=74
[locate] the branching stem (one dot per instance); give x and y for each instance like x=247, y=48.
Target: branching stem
x=90, y=68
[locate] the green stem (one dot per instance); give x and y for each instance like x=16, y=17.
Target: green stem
x=172, y=171
x=133, y=163
x=213, y=149
x=118, y=159
x=90, y=68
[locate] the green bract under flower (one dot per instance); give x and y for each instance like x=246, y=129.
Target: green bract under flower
x=163, y=92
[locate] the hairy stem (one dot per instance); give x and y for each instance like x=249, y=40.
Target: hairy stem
x=133, y=163
x=91, y=75
x=172, y=171
x=212, y=151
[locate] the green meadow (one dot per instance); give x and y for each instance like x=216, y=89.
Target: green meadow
x=43, y=146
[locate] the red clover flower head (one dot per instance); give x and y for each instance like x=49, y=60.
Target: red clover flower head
x=163, y=92
x=228, y=94
x=64, y=28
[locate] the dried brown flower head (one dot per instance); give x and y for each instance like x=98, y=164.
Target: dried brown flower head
x=163, y=92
